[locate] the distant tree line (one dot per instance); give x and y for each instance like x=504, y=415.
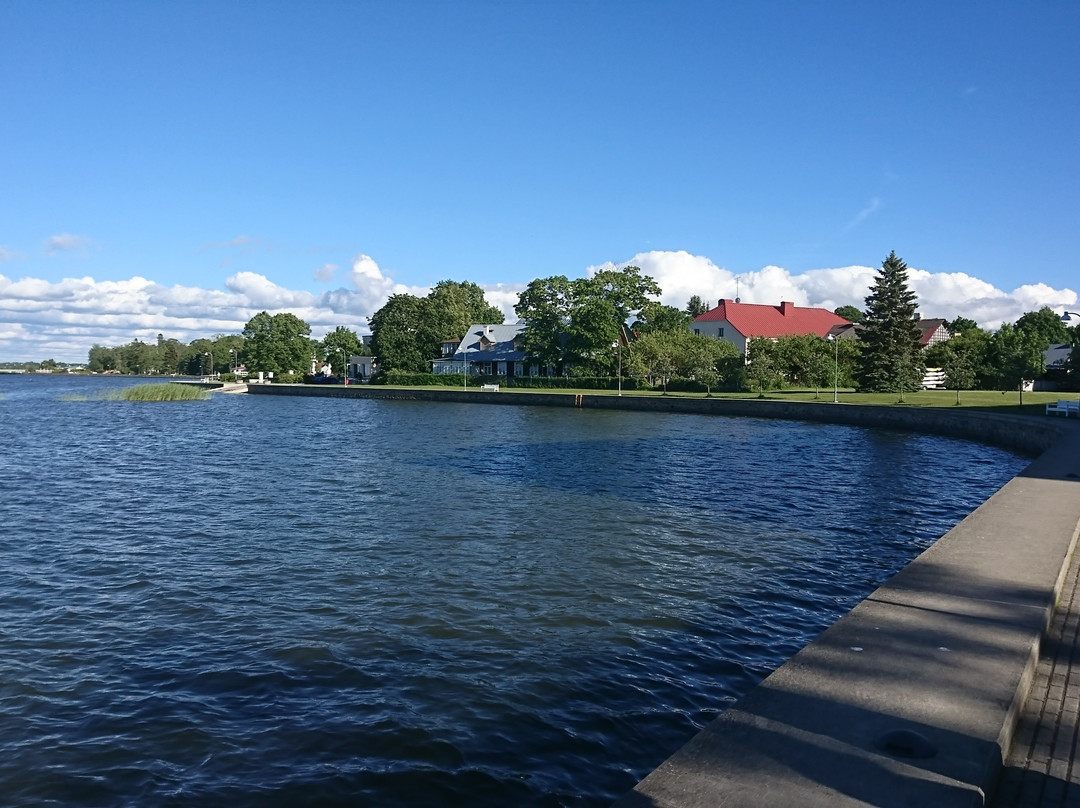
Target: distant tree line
x=273, y=343
x=575, y=328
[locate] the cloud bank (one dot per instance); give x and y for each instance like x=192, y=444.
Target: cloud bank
x=41, y=319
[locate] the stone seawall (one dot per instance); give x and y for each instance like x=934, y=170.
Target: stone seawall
x=911, y=699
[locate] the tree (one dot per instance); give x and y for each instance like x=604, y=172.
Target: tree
x=278, y=344
x=169, y=353
x=395, y=334
x=408, y=331
x=136, y=357
x=544, y=306
x=762, y=364
x=1045, y=326
x=594, y=327
x=891, y=355
x=626, y=289
x=101, y=359
x=961, y=325
x=653, y=358
x=578, y=320
x=448, y=311
x=959, y=366
x=821, y=363
x=695, y=306
x=705, y=359
x=658, y=317
x=599, y=307
x=974, y=344
x=337, y=346
x=852, y=313
x=1017, y=355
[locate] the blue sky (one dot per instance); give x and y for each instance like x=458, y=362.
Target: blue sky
x=179, y=166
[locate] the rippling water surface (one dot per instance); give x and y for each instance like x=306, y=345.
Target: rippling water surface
x=254, y=601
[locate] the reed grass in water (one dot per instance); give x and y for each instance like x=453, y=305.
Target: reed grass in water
x=146, y=392
x=163, y=392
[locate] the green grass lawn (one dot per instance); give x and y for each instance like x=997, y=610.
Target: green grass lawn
x=997, y=401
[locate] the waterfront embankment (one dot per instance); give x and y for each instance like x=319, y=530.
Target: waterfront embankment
x=911, y=698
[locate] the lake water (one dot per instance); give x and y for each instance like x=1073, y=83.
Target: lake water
x=261, y=601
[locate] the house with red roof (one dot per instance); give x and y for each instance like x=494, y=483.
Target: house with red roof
x=738, y=322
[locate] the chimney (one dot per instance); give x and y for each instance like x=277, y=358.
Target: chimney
x=786, y=308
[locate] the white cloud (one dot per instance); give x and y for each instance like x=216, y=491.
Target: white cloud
x=504, y=296
x=66, y=242
x=8, y=254
x=325, y=273
x=941, y=294
x=41, y=319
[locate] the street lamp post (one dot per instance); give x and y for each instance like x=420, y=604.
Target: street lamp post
x=836, y=367
x=465, y=364
x=210, y=374
x=344, y=366
x=618, y=348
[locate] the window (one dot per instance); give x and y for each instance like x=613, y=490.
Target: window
x=720, y=331
x=697, y=330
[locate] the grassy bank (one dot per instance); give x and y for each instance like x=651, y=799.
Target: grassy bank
x=991, y=400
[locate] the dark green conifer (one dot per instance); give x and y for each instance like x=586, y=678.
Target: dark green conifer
x=891, y=358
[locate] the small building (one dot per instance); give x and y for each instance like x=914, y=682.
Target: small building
x=846, y=331
x=932, y=331
x=360, y=368
x=1057, y=356
x=738, y=322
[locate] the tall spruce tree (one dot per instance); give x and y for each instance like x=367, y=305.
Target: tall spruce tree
x=891, y=359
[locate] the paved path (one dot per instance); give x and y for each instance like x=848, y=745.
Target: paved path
x=1042, y=771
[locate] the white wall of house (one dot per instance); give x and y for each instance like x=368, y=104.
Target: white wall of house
x=721, y=329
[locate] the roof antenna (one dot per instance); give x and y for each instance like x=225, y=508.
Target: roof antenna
x=737, y=300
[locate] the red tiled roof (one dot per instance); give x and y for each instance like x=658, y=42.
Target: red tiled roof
x=787, y=319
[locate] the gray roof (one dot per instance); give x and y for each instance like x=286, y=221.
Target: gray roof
x=1057, y=355
x=499, y=340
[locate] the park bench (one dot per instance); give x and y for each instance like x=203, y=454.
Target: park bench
x=1066, y=407
x=489, y=388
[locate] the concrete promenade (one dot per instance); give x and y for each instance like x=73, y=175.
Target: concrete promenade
x=1042, y=770
x=915, y=696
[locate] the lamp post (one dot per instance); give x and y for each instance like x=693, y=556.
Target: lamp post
x=210, y=374
x=618, y=347
x=465, y=364
x=232, y=360
x=836, y=367
x=344, y=367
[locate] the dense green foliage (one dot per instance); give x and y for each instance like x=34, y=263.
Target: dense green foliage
x=577, y=322
x=891, y=358
x=695, y=307
x=656, y=317
x=660, y=356
x=336, y=348
x=852, y=313
x=168, y=356
x=408, y=331
x=279, y=343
